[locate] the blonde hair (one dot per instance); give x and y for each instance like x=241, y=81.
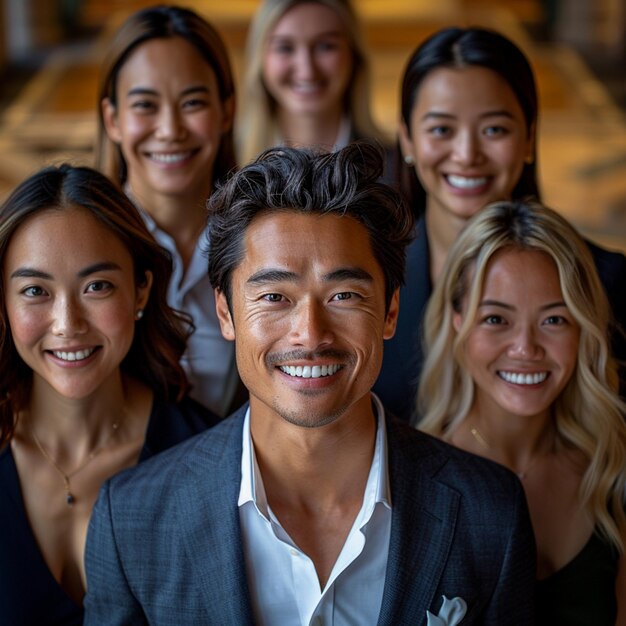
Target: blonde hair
x=588, y=414
x=256, y=125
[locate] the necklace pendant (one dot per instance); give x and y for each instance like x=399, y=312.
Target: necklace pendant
x=69, y=498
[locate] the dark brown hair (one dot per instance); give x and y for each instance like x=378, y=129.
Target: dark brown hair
x=162, y=22
x=160, y=337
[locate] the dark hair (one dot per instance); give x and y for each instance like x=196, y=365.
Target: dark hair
x=288, y=179
x=160, y=337
x=461, y=47
x=162, y=22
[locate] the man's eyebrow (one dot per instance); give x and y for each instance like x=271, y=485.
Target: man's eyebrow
x=271, y=275
x=274, y=275
x=348, y=273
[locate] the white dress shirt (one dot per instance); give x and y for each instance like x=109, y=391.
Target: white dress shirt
x=209, y=359
x=283, y=583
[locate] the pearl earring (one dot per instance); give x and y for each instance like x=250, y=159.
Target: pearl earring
x=409, y=160
x=139, y=314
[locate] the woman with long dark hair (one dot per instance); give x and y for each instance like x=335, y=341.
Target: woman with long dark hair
x=90, y=376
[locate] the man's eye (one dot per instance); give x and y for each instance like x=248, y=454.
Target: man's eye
x=273, y=297
x=343, y=295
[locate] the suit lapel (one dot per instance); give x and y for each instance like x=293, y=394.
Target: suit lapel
x=422, y=528
x=214, y=542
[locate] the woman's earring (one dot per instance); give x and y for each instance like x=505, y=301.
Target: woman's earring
x=139, y=314
x=409, y=160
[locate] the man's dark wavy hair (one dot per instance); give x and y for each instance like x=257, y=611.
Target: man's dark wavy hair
x=344, y=183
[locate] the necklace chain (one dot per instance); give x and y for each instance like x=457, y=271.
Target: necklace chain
x=70, y=498
x=521, y=474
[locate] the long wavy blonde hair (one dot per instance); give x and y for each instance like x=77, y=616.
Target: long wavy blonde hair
x=589, y=414
x=256, y=126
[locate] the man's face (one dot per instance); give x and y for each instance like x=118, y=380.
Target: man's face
x=308, y=317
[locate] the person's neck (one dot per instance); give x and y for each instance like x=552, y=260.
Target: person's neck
x=71, y=428
x=182, y=217
x=319, y=131
x=314, y=466
x=443, y=229
x=515, y=441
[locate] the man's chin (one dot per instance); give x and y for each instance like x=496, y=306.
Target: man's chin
x=309, y=418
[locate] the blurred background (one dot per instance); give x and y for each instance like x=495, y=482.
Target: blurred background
x=50, y=52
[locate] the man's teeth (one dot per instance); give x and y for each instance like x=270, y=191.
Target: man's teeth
x=169, y=158
x=73, y=356
x=308, y=371
x=463, y=182
x=523, y=379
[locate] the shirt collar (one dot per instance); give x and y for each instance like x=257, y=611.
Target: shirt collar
x=344, y=134
x=377, y=489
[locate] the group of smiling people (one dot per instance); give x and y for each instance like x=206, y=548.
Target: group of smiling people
x=509, y=339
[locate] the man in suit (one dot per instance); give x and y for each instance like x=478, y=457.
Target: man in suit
x=310, y=505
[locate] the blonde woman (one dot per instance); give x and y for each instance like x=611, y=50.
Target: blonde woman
x=518, y=370
x=306, y=80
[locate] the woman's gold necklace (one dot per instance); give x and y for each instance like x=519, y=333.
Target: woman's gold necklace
x=70, y=498
x=521, y=474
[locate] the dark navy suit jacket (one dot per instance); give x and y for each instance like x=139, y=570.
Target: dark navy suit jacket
x=404, y=354
x=164, y=544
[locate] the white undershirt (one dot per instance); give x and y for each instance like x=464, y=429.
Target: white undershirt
x=209, y=360
x=283, y=583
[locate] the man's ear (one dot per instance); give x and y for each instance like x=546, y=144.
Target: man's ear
x=223, y=315
x=391, y=319
x=109, y=117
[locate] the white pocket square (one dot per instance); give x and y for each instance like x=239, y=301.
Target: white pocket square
x=450, y=614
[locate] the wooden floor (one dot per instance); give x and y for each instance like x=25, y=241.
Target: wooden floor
x=582, y=147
